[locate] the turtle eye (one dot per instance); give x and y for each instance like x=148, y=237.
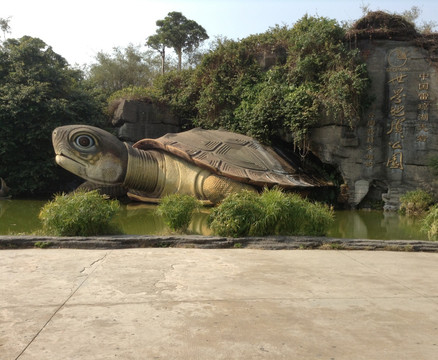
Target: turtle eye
x=84, y=141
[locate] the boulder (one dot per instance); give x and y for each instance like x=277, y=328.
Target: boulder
x=138, y=120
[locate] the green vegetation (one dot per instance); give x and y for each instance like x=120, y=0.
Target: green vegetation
x=179, y=33
x=79, y=214
x=38, y=92
x=416, y=202
x=177, y=211
x=271, y=213
x=430, y=223
x=124, y=68
x=42, y=244
x=236, y=215
x=281, y=82
x=4, y=26
x=433, y=165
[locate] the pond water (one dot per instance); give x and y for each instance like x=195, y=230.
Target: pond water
x=21, y=216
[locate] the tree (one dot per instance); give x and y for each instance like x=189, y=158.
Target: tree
x=412, y=16
x=38, y=92
x=179, y=33
x=157, y=42
x=123, y=68
x=4, y=26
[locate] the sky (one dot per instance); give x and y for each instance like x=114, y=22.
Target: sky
x=79, y=29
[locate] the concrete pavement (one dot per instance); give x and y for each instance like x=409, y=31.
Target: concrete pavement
x=177, y=303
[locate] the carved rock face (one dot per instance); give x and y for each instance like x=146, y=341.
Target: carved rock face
x=397, y=136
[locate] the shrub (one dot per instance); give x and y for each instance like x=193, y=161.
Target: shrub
x=415, y=203
x=79, y=214
x=177, y=210
x=271, y=213
x=430, y=223
x=236, y=214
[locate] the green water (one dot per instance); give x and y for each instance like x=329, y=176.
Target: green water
x=21, y=216
x=362, y=224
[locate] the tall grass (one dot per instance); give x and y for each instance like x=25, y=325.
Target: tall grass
x=415, y=203
x=271, y=213
x=79, y=214
x=177, y=211
x=236, y=215
x=430, y=223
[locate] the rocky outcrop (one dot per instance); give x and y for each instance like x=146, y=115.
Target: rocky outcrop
x=138, y=120
x=388, y=152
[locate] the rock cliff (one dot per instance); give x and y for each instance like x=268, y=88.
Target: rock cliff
x=388, y=151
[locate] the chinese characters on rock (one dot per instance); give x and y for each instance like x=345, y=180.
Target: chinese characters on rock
x=397, y=114
x=369, y=154
x=423, y=108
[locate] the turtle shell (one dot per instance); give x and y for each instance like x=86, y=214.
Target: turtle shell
x=232, y=155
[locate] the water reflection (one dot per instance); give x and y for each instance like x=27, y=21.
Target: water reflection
x=363, y=224
x=140, y=219
x=21, y=216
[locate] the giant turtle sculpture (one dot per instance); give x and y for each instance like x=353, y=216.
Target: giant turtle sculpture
x=208, y=164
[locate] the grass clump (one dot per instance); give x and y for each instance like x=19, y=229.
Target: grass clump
x=237, y=214
x=79, y=214
x=271, y=213
x=42, y=244
x=177, y=211
x=415, y=203
x=430, y=223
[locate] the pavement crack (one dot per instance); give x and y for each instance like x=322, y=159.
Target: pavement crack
x=391, y=278
x=63, y=304
x=94, y=262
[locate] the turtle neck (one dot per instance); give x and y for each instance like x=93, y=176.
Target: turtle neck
x=144, y=170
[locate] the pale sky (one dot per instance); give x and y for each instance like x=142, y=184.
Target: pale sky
x=78, y=30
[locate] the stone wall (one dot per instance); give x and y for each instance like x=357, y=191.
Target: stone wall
x=138, y=120
x=388, y=152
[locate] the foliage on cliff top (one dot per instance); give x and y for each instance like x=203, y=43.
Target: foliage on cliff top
x=377, y=25
x=381, y=25
x=283, y=81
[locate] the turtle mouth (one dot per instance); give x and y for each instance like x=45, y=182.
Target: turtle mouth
x=61, y=157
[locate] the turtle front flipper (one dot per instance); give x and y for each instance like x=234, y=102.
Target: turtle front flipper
x=216, y=188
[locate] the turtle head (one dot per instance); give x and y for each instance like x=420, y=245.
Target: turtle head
x=91, y=153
